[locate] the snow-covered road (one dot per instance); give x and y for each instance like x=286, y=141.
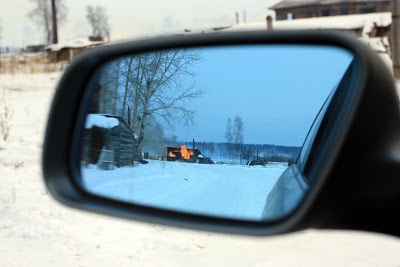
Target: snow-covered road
x=233, y=191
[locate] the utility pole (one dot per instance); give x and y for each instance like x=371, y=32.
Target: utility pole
x=396, y=37
x=54, y=19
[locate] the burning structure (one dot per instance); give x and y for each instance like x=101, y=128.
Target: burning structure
x=183, y=153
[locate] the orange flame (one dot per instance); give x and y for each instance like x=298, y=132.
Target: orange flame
x=172, y=155
x=186, y=153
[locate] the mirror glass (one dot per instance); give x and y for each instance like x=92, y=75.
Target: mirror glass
x=213, y=131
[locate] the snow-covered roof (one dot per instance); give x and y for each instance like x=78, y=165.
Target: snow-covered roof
x=364, y=22
x=81, y=42
x=379, y=45
x=347, y=22
x=298, y=3
x=101, y=121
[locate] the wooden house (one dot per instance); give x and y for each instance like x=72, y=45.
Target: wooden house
x=298, y=9
x=68, y=50
x=35, y=48
x=108, y=140
x=185, y=154
x=182, y=153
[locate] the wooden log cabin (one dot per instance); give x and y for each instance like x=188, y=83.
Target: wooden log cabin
x=108, y=140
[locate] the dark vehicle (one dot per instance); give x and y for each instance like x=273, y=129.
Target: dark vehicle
x=256, y=162
x=345, y=177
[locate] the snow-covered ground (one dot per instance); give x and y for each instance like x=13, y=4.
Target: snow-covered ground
x=233, y=191
x=37, y=231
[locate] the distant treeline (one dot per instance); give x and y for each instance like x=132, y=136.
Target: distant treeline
x=271, y=153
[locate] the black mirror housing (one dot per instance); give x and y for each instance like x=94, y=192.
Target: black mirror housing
x=356, y=162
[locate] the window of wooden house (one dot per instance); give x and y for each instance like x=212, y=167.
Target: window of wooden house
x=308, y=14
x=344, y=11
x=288, y=16
x=325, y=12
x=364, y=10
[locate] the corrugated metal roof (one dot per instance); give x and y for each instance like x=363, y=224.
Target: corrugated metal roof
x=297, y=3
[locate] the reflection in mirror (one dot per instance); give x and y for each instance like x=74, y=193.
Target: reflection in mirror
x=213, y=131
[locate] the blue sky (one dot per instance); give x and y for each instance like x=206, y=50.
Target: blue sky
x=276, y=90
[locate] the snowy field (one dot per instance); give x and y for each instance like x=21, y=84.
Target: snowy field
x=37, y=231
x=232, y=191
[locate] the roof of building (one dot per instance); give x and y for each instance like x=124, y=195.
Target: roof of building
x=81, y=42
x=348, y=22
x=297, y=3
x=365, y=22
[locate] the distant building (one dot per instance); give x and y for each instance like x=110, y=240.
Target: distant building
x=372, y=28
x=185, y=154
x=35, y=48
x=68, y=50
x=360, y=25
x=297, y=9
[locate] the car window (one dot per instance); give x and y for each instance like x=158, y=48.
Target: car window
x=305, y=150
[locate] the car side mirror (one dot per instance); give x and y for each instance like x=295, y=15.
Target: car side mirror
x=231, y=132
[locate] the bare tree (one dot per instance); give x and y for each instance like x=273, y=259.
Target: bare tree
x=154, y=89
x=246, y=154
x=41, y=14
x=229, y=136
x=6, y=114
x=98, y=19
x=234, y=136
x=238, y=136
